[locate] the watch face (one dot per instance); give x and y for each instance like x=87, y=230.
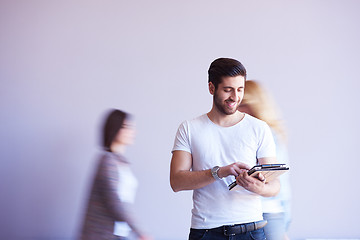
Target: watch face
x=214, y=171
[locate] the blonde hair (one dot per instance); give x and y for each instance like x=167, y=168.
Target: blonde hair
x=263, y=107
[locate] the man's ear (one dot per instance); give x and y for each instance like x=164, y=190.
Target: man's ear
x=211, y=88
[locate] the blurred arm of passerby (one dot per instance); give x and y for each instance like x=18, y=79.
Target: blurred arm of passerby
x=121, y=211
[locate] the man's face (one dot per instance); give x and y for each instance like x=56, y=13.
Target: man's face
x=229, y=94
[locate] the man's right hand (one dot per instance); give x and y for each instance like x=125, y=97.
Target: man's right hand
x=233, y=169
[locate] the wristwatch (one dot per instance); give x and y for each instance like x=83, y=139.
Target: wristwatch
x=214, y=172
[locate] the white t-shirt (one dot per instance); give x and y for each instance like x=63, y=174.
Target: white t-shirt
x=212, y=145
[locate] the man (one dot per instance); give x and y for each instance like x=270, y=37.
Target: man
x=210, y=150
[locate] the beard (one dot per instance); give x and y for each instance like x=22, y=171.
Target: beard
x=221, y=105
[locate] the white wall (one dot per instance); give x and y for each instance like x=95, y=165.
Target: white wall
x=64, y=63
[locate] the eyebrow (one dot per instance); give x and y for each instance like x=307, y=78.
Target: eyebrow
x=232, y=87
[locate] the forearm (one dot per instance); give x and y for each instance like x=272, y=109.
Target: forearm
x=190, y=180
x=122, y=212
x=182, y=178
x=118, y=209
x=258, y=185
x=127, y=215
x=181, y=175
x=270, y=189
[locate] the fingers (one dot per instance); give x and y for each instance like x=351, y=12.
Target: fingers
x=261, y=177
x=253, y=184
x=241, y=178
x=242, y=165
x=239, y=167
x=234, y=169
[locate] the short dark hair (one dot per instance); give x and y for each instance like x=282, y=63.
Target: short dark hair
x=113, y=123
x=225, y=67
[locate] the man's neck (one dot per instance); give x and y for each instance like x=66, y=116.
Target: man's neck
x=225, y=120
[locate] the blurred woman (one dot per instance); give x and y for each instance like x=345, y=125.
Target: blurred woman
x=109, y=213
x=276, y=210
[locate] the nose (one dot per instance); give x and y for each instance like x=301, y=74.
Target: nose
x=235, y=96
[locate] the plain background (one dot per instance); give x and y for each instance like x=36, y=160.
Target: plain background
x=63, y=64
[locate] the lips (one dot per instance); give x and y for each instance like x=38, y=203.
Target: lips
x=230, y=104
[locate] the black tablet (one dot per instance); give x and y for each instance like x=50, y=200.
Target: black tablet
x=269, y=171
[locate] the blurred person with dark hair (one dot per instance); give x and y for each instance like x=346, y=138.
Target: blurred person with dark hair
x=109, y=212
x=212, y=149
x=276, y=210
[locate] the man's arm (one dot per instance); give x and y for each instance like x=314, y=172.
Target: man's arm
x=259, y=186
x=183, y=178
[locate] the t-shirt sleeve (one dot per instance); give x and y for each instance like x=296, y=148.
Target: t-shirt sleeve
x=182, y=141
x=267, y=146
